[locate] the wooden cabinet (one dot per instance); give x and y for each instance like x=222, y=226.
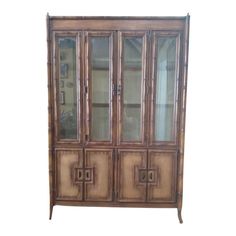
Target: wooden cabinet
x=117, y=98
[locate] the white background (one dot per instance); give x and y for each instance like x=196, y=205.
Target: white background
x=209, y=205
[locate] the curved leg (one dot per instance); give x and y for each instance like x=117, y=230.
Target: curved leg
x=50, y=213
x=180, y=216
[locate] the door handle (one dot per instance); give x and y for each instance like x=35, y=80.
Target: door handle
x=151, y=176
x=116, y=89
x=77, y=175
x=119, y=90
x=80, y=174
x=88, y=174
x=142, y=176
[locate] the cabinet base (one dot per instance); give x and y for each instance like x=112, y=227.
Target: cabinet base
x=180, y=216
x=50, y=212
x=104, y=204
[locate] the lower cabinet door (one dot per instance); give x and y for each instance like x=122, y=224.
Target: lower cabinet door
x=98, y=175
x=132, y=175
x=161, y=176
x=69, y=179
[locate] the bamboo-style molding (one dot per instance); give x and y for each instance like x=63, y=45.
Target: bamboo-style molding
x=50, y=119
x=62, y=25
x=182, y=119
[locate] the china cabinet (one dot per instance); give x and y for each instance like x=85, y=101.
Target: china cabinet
x=117, y=98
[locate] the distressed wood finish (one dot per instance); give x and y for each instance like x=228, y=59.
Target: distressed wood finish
x=69, y=178
x=117, y=173
x=117, y=24
x=183, y=94
x=130, y=164
x=163, y=168
x=50, y=118
x=98, y=175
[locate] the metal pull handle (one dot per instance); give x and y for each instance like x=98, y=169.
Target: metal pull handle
x=114, y=89
x=142, y=176
x=151, y=176
x=118, y=90
x=80, y=174
x=87, y=175
x=77, y=175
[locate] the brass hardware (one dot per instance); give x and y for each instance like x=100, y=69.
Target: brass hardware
x=114, y=89
x=77, y=175
x=151, y=176
x=118, y=90
x=80, y=175
x=142, y=176
x=80, y=172
x=87, y=175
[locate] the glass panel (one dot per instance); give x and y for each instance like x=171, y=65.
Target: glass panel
x=67, y=88
x=165, y=89
x=132, y=80
x=100, y=122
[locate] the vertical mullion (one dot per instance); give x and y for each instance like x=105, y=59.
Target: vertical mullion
x=120, y=82
x=87, y=87
x=143, y=86
x=115, y=105
x=82, y=89
x=176, y=91
x=77, y=72
x=111, y=56
x=56, y=87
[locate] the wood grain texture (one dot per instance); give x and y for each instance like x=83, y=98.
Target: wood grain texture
x=183, y=95
x=130, y=162
x=163, y=167
x=67, y=163
x=99, y=188
x=115, y=173
x=119, y=24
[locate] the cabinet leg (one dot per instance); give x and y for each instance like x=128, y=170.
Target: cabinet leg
x=50, y=213
x=180, y=216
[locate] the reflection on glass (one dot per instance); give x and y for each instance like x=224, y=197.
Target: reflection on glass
x=67, y=88
x=100, y=122
x=165, y=88
x=132, y=78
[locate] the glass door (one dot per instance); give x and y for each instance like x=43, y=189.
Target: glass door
x=98, y=84
x=67, y=79
x=165, y=72
x=131, y=87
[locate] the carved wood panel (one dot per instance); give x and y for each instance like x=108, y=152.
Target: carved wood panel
x=161, y=176
x=68, y=174
x=98, y=175
x=132, y=175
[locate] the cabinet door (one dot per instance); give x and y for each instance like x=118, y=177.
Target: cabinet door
x=69, y=174
x=161, y=176
x=67, y=87
x=165, y=73
x=99, y=80
x=98, y=175
x=131, y=87
x=132, y=175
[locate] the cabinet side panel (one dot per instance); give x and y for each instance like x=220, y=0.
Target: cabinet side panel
x=98, y=175
x=163, y=167
x=130, y=165
x=67, y=163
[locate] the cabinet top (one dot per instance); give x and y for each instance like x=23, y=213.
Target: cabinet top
x=117, y=22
